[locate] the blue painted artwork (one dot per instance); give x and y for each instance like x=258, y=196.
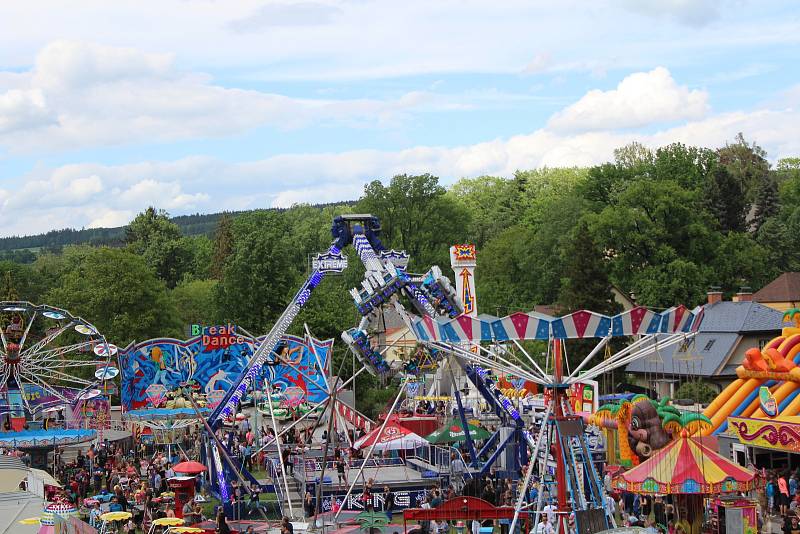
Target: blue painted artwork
x=172, y=362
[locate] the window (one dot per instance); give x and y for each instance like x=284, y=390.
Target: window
x=709, y=345
x=762, y=343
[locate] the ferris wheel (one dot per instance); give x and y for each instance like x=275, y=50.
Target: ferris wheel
x=49, y=349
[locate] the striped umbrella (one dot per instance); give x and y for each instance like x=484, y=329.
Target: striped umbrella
x=686, y=466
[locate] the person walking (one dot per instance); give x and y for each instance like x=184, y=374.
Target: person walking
x=388, y=503
x=222, y=523
x=771, y=490
x=340, y=466
x=308, y=504
x=783, y=488
x=457, y=469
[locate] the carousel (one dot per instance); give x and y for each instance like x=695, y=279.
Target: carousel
x=689, y=471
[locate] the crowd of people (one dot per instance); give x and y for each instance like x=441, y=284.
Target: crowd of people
x=782, y=497
x=111, y=478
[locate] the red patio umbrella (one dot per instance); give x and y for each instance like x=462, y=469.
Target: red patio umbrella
x=190, y=468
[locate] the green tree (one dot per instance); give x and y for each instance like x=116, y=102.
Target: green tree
x=20, y=282
x=585, y=283
x=726, y=199
x=738, y=261
x=117, y=292
x=689, y=166
x=634, y=155
x=150, y=225
x=195, y=301
x=747, y=163
x=258, y=279
x=417, y=217
x=697, y=391
x=679, y=281
x=649, y=225
x=202, y=250
x=505, y=280
x=223, y=246
x=493, y=203
x=767, y=203
x=158, y=240
x=774, y=236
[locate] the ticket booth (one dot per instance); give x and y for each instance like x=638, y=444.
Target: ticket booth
x=184, y=492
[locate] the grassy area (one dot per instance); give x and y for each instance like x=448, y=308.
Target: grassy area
x=260, y=474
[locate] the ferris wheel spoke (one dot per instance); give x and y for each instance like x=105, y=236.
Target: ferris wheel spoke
x=35, y=379
x=3, y=339
x=58, y=364
x=50, y=373
x=46, y=340
x=27, y=329
x=57, y=351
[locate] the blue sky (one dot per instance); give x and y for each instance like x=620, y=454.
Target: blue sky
x=203, y=105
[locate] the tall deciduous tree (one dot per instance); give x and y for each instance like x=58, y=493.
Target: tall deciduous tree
x=223, y=246
x=152, y=235
x=416, y=216
x=194, y=301
x=747, y=164
x=726, y=198
x=493, y=203
x=117, y=292
x=258, y=279
x=767, y=203
x=584, y=283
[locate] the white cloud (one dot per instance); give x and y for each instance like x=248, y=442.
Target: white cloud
x=93, y=194
x=539, y=63
x=640, y=99
x=84, y=95
x=23, y=110
x=374, y=39
x=107, y=218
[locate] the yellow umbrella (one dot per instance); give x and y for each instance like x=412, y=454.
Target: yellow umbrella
x=115, y=516
x=29, y=521
x=185, y=529
x=168, y=522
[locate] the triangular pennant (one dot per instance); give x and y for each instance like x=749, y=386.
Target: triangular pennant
x=465, y=321
x=637, y=315
x=520, y=322
x=581, y=320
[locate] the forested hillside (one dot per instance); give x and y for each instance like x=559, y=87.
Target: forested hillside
x=662, y=225
x=22, y=249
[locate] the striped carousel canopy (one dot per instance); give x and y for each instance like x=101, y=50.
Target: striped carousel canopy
x=579, y=324
x=686, y=466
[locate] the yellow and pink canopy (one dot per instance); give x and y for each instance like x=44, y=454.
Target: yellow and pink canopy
x=686, y=466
